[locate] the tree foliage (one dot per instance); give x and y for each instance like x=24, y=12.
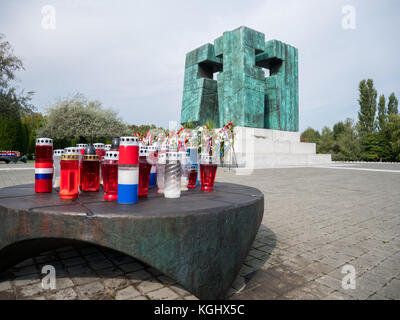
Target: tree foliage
x=367, y=101
x=393, y=104
x=81, y=120
x=382, y=113
x=310, y=135
x=14, y=103
x=372, y=138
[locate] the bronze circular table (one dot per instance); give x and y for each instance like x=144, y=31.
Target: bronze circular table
x=200, y=239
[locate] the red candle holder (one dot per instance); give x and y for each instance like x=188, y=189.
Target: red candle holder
x=69, y=176
x=43, y=165
x=110, y=175
x=144, y=172
x=90, y=177
x=100, y=150
x=192, y=177
x=208, y=171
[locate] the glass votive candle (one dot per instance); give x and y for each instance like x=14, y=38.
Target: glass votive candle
x=161, y=162
x=110, y=175
x=57, y=154
x=208, y=170
x=69, y=176
x=185, y=168
x=172, y=182
x=192, y=176
x=90, y=177
x=144, y=172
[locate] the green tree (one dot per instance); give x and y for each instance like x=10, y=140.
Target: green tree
x=310, y=135
x=382, y=113
x=338, y=128
x=393, y=104
x=13, y=104
x=367, y=101
x=392, y=135
x=326, y=141
x=32, y=122
x=348, y=142
x=78, y=119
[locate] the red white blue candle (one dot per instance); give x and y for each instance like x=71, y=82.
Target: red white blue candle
x=128, y=170
x=43, y=165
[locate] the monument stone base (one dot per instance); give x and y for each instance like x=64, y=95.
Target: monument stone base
x=257, y=148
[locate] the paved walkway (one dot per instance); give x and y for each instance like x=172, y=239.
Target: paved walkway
x=316, y=220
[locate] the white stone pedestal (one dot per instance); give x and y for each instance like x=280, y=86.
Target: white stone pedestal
x=264, y=148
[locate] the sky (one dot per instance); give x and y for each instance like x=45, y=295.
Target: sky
x=130, y=55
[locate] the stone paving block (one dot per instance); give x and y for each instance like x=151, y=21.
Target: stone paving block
x=96, y=256
x=154, y=271
x=25, y=263
x=391, y=290
x=31, y=290
x=317, y=289
x=191, y=297
x=114, y=283
x=179, y=290
x=75, y=261
x=299, y=294
x=112, y=272
x=330, y=282
x=336, y=295
x=47, y=258
x=5, y=285
x=131, y=267
x=100, y=264
x=63, y=282
x=138, y=276
x=122, y=259
x=255, y=263
x=91, y=291
x=68, y=254
x=376, y=297
x=26, y=280
x=65, y=249
x=256, y=293
x=162, y=294
x=30, y=270
x=127, y=294
x=149, y=285
x=64, y=294
x=245, y=270
x=166, y=280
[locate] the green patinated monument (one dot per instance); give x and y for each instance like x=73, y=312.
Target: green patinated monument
x=242, y=92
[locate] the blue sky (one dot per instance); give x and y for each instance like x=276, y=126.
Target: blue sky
x=130, y=55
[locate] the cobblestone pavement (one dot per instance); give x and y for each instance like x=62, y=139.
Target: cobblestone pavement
x=316, y=220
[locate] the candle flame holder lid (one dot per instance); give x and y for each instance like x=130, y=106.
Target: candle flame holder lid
x=115, y=144
x=81, y=145
x=172, y=156
x=205, y=158
x=98, y=145
x=90, y=149
x=44, y=142
x=143, y=151
x=111, y=155
x=107, y=147
x=164, y=147
x=58, y=152
x=129, y=141
x=90, y=153
x=72, y=151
